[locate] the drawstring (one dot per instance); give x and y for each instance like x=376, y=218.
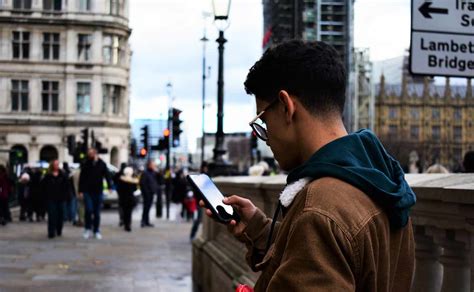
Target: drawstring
x=275, y=216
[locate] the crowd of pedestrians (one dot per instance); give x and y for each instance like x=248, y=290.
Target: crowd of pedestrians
x=61, y=194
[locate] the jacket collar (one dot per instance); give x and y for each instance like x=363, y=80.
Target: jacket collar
x=288, y=195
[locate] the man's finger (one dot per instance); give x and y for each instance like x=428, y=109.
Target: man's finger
x=208, y=213
x=236, y=201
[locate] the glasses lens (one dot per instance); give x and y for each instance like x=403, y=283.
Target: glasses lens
x=260, y=131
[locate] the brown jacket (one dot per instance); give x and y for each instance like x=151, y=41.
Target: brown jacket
x=332, y=238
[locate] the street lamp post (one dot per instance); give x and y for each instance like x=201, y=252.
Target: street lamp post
x=221, y=15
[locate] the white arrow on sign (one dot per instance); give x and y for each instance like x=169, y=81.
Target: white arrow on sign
x=456, y=16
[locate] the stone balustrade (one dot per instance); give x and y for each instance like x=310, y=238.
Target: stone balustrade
x=443, y=220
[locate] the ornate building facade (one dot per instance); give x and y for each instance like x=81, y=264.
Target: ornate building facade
x=64, y=66
x=435, y=121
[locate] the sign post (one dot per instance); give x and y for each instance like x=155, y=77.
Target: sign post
x=442, y=38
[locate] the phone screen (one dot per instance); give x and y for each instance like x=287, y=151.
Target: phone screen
x=211, y=192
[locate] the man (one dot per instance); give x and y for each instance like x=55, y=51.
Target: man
x=345, y=208
x=91, y=179
x=149, y=187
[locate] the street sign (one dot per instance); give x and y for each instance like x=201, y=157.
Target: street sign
x=442, y=38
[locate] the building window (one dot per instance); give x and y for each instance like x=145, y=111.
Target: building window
x=83, y=97
x=392, y=113
x=415, y=132
x=457, y=133
x=50, y=96
x=19, y=95
x=457, y=114
x=51, y=46
x=22, y=4
x=392, y=131
x=435, y=114
x=52, y=5
x=115, y=7
x=112, y=96
x=84, y=5
x=84, y=43
x=113, y=49
x=21, y=45
x=436, y=133
x=414, y=113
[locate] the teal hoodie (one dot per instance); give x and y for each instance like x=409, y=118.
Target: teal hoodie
x=360, y=160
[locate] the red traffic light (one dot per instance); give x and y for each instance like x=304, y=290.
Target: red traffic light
x=166, y=133
x=143, y=152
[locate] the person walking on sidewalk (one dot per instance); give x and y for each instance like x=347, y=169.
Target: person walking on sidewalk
x=55, y=187
x=116, y=179
x=5, y=191
x=149, y=187
x=91, y=179
x=126, y=186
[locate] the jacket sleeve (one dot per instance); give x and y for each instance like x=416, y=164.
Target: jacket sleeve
x=318, y=254
x=255, y=237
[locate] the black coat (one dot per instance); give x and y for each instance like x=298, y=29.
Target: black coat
x=125, y=190
x=149, y=183
x=92, y=176
x=56, y=188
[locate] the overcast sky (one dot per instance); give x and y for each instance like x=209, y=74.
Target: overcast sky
x=167, y=48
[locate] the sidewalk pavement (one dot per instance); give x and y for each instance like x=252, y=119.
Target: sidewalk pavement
x=147, y=259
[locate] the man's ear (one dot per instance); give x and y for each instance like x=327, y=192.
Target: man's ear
x=289, y=105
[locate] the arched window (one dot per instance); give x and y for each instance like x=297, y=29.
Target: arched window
x=48, y=153
x=114, y=157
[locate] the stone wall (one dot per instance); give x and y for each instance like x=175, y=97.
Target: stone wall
x=443, y=220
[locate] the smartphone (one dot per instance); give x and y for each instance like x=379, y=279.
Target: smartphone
x=208, y=191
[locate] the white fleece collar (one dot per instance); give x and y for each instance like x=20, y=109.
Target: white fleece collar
x=289, y=193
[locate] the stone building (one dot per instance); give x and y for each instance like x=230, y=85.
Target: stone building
x=64, y=66
x=436, y=121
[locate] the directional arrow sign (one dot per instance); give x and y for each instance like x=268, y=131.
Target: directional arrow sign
x=442, y=38
x=426, y=10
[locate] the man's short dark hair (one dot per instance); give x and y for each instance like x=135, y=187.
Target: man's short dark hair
x=311, y=71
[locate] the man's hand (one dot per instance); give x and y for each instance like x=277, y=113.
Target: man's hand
x=244, y=207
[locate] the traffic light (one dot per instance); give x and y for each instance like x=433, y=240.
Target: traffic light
x=133, y=148
x=144, y=137
x=98, y=147
x=164, y=142
x=143, y=152
x=85, y=139
x=71, y=144
x=176, y=126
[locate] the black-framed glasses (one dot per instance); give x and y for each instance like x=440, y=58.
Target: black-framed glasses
x=259, y=129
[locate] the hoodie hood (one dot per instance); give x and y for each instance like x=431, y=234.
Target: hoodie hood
x=360, y=160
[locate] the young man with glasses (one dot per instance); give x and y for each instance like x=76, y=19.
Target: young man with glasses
x=345, y=210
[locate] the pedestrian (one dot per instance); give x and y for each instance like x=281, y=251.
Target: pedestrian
x=5, y=192
x=180, y=190
x=70, y=206
x=345, y=222
x=56, y=187
x=159, y=194
x=116, y=179
x=24, y=196
x=91, y=179
x=80, y=200
x=38, y=199
x=126, y=187
x=149, y=188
